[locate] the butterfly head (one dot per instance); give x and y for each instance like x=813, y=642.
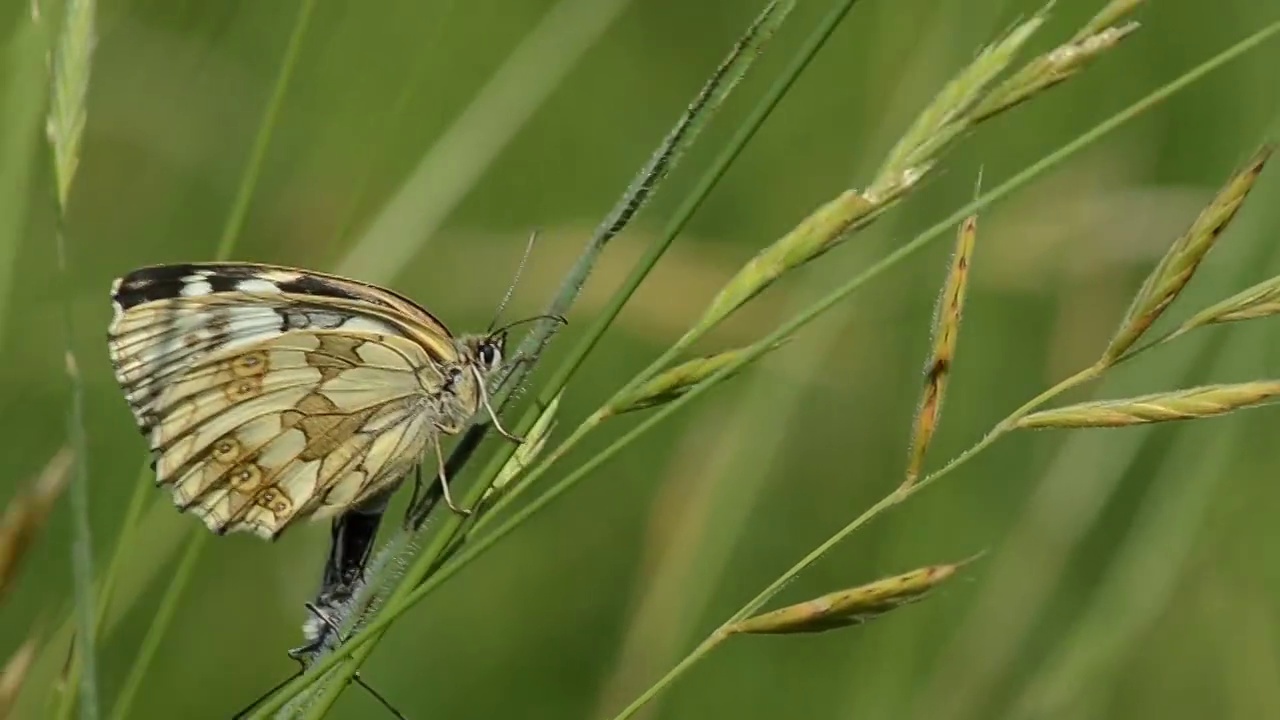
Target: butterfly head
x=486, y=352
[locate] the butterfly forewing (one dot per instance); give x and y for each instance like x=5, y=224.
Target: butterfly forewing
x=270, y=394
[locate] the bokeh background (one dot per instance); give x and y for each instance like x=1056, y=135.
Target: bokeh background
x=1129, y=573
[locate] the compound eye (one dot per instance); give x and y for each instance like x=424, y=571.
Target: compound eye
x=488, y=355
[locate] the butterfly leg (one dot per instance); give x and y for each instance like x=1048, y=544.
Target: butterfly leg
x=493, y=415
x=444, y=481
x=419, y=488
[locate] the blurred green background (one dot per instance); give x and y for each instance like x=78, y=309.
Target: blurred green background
x=1130, y=573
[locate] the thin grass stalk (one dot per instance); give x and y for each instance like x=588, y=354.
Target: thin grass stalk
x=71, y=64
x=903, y=492
x=661, y=162
x=142, y=488
x=745, y=132
x=851, y=210
x=1044, y=538
x=940, y=123
x=262, y=140
x=712, y=95
x=1155, y=543
x=940, y=229
x=749, y=430
x=704, y=106
x=414, y=80
x=809, y=48
x=894, y=498
x=159, y=626
x=1144, y=572
x=197, y=537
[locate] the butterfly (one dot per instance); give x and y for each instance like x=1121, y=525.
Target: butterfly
x=270, y=394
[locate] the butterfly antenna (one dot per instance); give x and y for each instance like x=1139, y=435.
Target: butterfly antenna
x=560, y=319
x=528, y=249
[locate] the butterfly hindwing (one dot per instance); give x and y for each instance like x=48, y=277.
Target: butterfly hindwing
x=270, y=394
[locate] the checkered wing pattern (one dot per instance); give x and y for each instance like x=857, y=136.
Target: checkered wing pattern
x=270, y=394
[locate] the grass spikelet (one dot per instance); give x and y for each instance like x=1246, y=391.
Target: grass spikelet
x=14, y=674
x=1175, y=269
x=27, y=513
x=1190, y=404
x=947, y=115
x=71, y=64
x=1052, y=68
x=528, y=451
x=1258, y=301
x=674, y=382
x=1114, y=12
x=816, y=234
x=946, y=332
x=853, y=606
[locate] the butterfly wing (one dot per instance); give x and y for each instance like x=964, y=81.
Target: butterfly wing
x=270, y=394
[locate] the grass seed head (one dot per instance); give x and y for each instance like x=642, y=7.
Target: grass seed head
x=1112, y=14
x=1178, y=265
x=849, y=607
x=14, y=674
x=1050, y=69
x=1190, y=404
x=948, y=114
x=816, y=234
x=946, y=332
x=27, y=513
x=1261, y=300
x=674, y=382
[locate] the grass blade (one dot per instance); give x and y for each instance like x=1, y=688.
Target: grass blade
x=72, y=55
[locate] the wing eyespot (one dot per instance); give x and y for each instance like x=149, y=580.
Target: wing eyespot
x=250, y=364
x=245, y=478
x=226, y=450
x=244, y=389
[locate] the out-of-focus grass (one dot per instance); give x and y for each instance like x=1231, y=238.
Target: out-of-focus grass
x=558, y=624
